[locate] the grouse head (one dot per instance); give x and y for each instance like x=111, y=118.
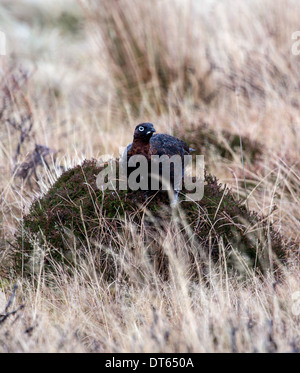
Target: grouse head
x=143, y=132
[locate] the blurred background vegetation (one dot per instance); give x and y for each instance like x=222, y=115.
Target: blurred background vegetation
x=76, y=79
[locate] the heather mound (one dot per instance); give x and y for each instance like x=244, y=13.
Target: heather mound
x=75, y=216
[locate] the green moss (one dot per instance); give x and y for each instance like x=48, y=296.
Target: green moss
x=75, y=204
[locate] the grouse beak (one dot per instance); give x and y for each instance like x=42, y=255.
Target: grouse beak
x=151, y=131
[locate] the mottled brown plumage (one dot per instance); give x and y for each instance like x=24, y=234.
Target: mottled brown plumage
x=141, y=141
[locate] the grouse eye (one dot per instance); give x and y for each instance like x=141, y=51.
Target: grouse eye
x=141, y=128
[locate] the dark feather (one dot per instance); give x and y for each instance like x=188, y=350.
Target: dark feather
x=147, y=144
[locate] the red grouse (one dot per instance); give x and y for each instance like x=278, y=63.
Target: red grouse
x=146, y=143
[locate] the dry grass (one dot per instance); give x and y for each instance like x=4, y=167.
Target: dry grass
x=76, y=79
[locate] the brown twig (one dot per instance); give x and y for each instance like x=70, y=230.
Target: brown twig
x=6, y=314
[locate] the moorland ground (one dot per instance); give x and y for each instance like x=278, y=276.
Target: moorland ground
x=76, y=78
